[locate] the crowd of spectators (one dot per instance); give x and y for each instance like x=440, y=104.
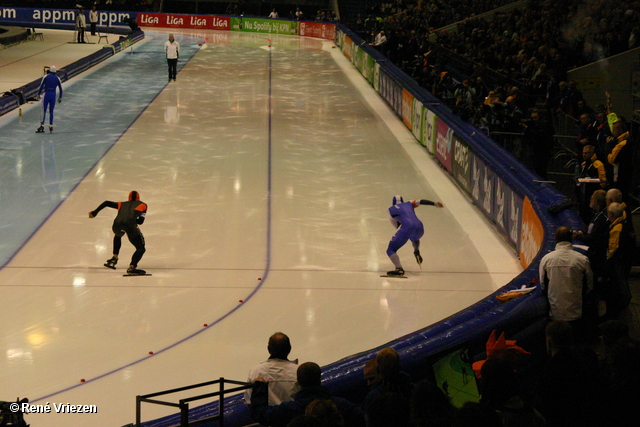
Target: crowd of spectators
x=567, y=384
x=539, y=41
x=505, y=73
x=421, y=16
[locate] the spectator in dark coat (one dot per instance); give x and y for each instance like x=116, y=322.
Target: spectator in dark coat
x=311, y=389
x=391, y=377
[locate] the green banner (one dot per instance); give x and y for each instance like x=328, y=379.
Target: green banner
x=369, y=69
x=258, y=25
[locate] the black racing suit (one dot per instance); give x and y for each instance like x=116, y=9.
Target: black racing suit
x=130, y=215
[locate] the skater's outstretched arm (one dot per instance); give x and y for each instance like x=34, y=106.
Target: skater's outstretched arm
x=105, y=204
x=430, y=203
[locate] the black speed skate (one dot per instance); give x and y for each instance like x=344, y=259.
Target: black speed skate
x=398, y=272
x=50, y=129
x=416, y=253
x=111, y=263
x=132, y=271
x=40, y=129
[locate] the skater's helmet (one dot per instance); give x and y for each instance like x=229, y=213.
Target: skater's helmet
x=397, y=199
x=53, y=69
x=134, y=195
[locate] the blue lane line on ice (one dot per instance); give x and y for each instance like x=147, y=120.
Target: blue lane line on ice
x=39, y=171
x=265, y=274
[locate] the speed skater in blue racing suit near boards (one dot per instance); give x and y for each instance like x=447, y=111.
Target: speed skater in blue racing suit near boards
x=409, y=227
x=50, y=83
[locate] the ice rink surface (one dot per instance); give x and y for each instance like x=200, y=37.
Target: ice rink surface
x=268, y=169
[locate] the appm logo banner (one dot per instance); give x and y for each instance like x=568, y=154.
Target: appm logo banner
x=27, y=15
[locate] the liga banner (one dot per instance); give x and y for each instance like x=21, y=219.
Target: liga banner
x=167, y=20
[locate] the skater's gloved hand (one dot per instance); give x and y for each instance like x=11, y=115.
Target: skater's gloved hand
x=91, y=215
x=59, y=100
x=439, y=204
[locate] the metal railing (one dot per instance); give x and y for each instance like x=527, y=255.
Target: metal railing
x=183, y=404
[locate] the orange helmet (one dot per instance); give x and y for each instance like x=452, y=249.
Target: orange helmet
x=134, y=195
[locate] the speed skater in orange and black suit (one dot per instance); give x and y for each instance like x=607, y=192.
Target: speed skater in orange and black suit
x=130, y=215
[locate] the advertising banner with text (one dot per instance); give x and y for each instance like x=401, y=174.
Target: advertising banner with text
x=271, y=26
x=34, y=16
x=391, y=91
x=346, y=47
x=444, y=136
x=369, y=68
x=532, y=235
x=429, y=130
x=407, y=108
x=462, y=163
x=376, y=76
x=507, y=212
x=416, y=122
x=319, y=30
x=358, y=59
x=482, y=185
x=201, y=22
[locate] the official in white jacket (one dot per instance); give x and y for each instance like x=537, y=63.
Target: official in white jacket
x=172, y=50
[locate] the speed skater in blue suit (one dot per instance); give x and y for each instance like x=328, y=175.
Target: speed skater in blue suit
x=50, y=83
x=409, y=227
